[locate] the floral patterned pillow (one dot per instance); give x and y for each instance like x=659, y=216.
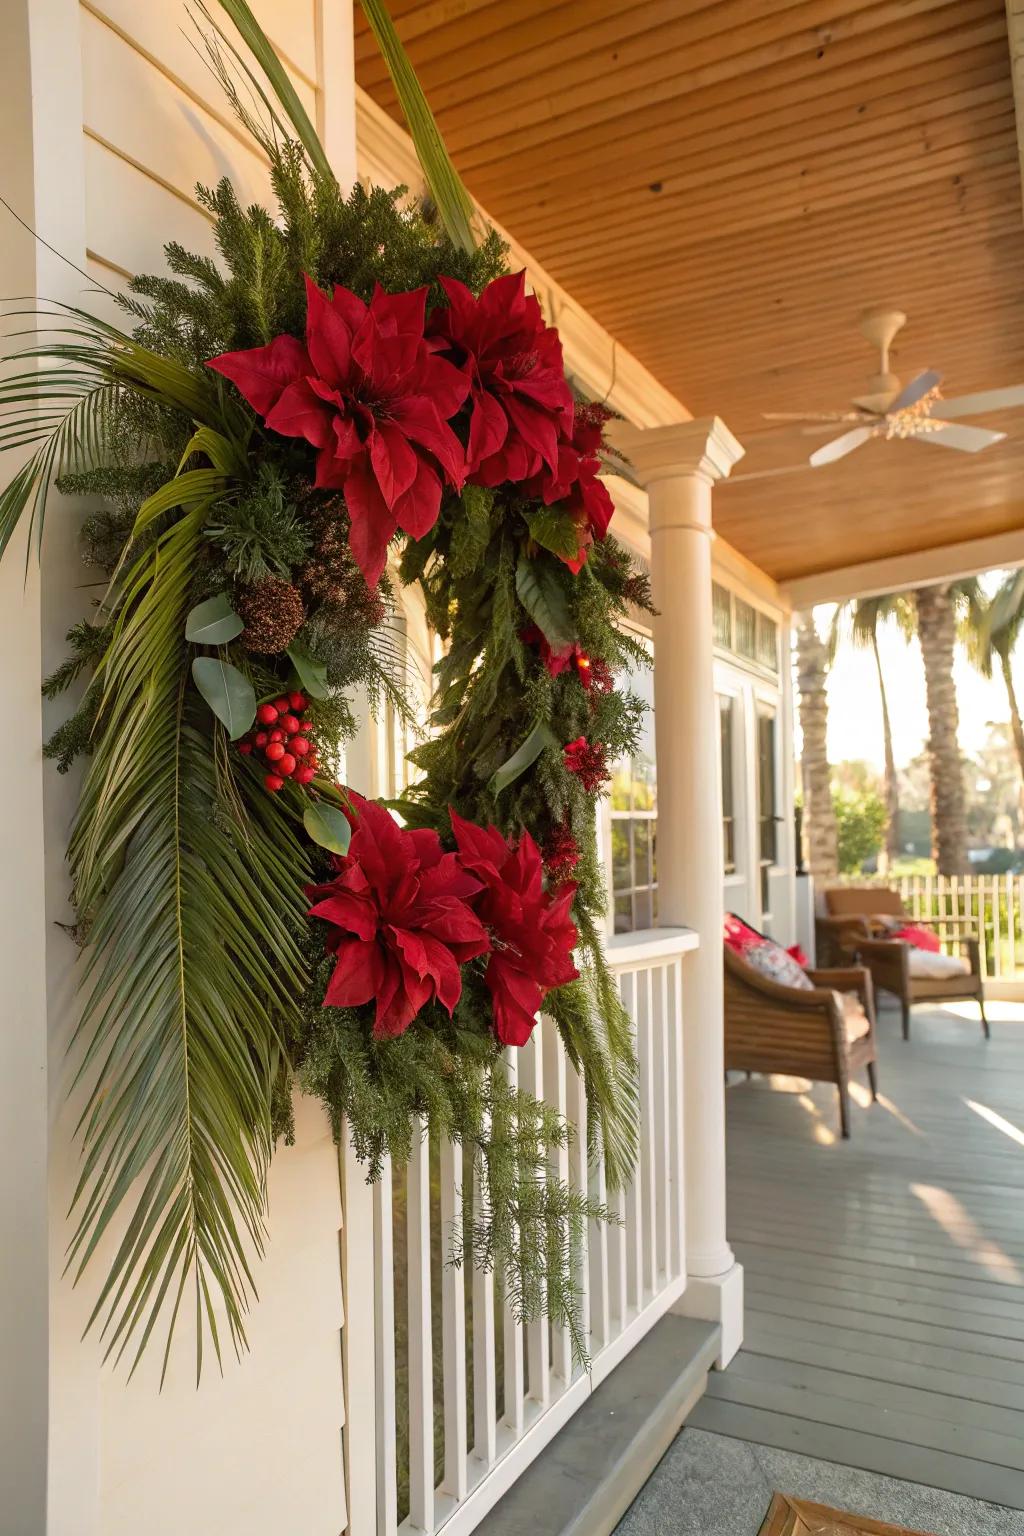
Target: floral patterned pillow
x=763, y=954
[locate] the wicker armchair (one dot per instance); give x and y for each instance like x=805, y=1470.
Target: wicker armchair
x=850, y=933
x=824, y=1032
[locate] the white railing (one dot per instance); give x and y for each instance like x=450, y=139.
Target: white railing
x=449, y=1396
x=991, y=907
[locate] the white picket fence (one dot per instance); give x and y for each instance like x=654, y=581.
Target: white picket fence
x=991, y=907
x=449, y=1396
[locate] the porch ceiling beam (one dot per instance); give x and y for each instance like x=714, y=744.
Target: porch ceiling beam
x=896, y=573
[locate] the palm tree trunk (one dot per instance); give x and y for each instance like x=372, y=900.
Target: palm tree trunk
x=1015, y=721
x=936, y=629
x=819, y=817
x=892, y=788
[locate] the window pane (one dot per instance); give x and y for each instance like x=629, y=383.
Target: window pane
x=642, y=902
x=621, y=860
x=642, y=854
x=746, y=630
x=767, y=642
x=623, y=914
x=721, y=605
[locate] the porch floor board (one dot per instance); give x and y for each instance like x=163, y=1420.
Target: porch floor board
x=885, y=1275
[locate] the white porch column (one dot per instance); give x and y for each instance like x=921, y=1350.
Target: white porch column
x=677, y=465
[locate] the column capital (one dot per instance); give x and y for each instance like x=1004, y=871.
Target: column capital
x=704, y=449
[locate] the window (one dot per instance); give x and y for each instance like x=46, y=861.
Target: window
x=746, y=629
x=767, y=801
x=739, y=627
x=721, y=608
x=726, y=726
x=633, y=821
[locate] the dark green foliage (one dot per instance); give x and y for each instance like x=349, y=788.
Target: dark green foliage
x=259, y=532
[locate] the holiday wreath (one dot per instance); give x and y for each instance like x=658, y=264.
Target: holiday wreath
x=353, y=378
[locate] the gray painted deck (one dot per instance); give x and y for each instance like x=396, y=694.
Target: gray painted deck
x=885, y=1275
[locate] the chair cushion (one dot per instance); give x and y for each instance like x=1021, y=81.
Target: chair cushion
x=763, y=954
x=924, y=965
x=855, y=1020
x=863, y=900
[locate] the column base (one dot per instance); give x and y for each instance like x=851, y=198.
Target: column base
x=717, y=1299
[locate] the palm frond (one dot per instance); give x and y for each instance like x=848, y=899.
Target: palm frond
x=453, y=202
x=60, y=393
x=189, y=917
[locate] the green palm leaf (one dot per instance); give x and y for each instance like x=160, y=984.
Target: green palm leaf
x=59, y=394
x=454, y=203
x=190, y=916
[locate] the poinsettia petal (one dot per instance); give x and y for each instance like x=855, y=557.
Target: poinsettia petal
x=483, y=850
x=516, y=1001
x=416, y=512
x=346, y=910
x=328, y=338
x=260, y=374
x=419, y=420
x=488, y=428
x=394, y=462
x=357, y=974
x=299, y=412
x=372, y=524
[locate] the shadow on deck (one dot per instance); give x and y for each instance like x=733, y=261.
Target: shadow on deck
x=885, y=1275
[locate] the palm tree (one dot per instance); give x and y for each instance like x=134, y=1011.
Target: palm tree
x=991, y=629
x=861, y=618
x=819, y=817
x=938, y=610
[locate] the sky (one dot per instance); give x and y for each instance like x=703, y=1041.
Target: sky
x=855, y=716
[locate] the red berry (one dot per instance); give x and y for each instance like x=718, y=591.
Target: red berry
x=306, y=723
x=266, y=714
x=299, y=745
x=275, y=752
x=281, y=704
x=277, y=735
x=305, y=774
x=297, y=700
x=260, y=739
x=273, y=783
x=286, y=764
x=289, y=724
x=245, y=747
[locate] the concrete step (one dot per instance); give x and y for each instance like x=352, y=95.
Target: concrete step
x=585, y=1480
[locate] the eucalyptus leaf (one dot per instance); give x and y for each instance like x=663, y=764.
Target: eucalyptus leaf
x=554, y=530
x=328, y=827
x=541, y=594
x=525, y=755
x=213, y=622
x=311, y=674
x=228, y=692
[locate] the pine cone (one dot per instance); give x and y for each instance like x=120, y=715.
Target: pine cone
x=273, y=612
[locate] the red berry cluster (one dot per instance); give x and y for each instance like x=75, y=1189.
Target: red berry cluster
x=587, y=760
x=284, y=739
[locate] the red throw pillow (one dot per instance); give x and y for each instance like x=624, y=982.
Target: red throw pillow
x=762, y=953
x=919, y=938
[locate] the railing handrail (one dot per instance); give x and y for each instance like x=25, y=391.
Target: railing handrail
x=644, y=945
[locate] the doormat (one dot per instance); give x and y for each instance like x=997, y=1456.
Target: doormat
x=798, y=1517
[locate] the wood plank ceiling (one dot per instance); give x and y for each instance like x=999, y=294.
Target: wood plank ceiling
x=727, y=186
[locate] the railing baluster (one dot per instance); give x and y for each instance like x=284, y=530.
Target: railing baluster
x=384, y=1302
x=597, y=1250
x=421, y=1360
x=673, y=1011
x=555, y=1090
x=576, y=1099
x=662, y=1113
x=453, y=1324
x=511, y=1326
x=648, y=1245
x=531, y=1069
x=484, y=1376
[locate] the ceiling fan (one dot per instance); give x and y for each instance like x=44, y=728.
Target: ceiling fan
x=889, y=411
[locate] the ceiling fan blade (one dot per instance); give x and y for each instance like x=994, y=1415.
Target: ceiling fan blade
x=914, y=391
x=987, y=400
x=967, y=439
x=839, y=447
x=828, y=416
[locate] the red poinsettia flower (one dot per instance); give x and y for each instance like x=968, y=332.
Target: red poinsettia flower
x=401, y=923
x=559, y=661
x=574, y=482
x=374, y=399
x=532, y=934
x=588, y=761
x=520, y=403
